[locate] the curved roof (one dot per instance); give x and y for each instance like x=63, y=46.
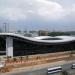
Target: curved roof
x=62, y=39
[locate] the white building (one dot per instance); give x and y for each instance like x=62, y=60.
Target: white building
x=17, y=45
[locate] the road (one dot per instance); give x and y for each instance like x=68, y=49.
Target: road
x=43, y=71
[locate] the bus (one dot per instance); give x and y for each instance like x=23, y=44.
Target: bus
x=54, y=69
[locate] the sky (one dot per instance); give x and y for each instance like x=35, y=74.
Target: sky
x=52, y=15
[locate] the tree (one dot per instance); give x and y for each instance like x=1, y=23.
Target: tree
x=58, y=33
x=24, y=31
x=27, y=34
x=65, y=73
x=19, y=32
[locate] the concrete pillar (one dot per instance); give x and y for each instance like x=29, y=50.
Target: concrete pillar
x=9, y=46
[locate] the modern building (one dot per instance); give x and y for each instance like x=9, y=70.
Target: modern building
x=17, y=45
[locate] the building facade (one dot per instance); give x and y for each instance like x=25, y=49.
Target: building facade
x=17, y=45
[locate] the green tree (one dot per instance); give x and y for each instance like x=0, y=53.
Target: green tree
x=58, y=33
x=19, y=31
x=64, y=73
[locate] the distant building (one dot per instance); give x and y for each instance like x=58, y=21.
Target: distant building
x=17, y=45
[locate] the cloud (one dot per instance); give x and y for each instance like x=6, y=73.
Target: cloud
x=73, y=8
x=12, y=14
x=50, y=10
x=70, y=13
x=23, y=9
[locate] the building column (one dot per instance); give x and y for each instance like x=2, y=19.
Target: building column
x=9, y=46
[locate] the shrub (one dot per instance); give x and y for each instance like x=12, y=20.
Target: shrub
x=65, y=73
x=14, y=59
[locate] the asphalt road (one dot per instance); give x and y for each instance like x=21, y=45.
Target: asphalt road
x=43, y=71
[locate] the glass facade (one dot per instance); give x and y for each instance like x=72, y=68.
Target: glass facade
x=30, y=48
x=2, y=46
x=21, y=48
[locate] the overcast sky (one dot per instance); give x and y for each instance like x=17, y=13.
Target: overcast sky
x=38, y=14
